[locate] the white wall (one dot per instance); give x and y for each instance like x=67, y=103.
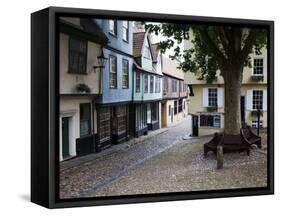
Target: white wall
x=69, y=81
x=15, y=65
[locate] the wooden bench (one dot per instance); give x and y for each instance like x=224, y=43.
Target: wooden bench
x=229, y=142
x=250, y=137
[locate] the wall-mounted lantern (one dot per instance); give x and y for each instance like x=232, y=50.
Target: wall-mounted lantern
x=101, y=61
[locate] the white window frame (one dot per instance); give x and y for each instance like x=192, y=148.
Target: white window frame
x=111, y=72
x=253, y=64
x=260, y=101
x=114, y=31
x=217, y=95
x=125, y=27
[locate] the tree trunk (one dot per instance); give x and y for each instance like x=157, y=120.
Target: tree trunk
x=232, y=79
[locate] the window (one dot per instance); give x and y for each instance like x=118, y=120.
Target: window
x=113, y=27
x=212, y=97
x=165, y=86
x=151, y=84
x=145, y=83
x=157, y=84
x=257, y=99
x=154, y=111
x=125, y=77
x=181, y=86
x=104, y=124
x=113, y=71
x=258, y=66
x=77, y=56
x=138, y=81
x=85, y=119
x=174, y=85
x=125, y=30
x=147, y=51
x=175, y=107
x=210, y=121
x=255, y=124
x=180, y=105
x=121, y=119
x=141, y=116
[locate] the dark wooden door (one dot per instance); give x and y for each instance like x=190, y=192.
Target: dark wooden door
x=65, y=137
x=194, y=125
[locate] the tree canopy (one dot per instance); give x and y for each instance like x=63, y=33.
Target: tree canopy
x=213, y=47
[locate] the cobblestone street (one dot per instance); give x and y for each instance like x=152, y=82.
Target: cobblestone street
x=160, y=162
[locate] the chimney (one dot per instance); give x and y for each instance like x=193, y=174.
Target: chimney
x=138, y=26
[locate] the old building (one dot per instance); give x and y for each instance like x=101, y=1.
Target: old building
x=147, y=86
x=81, y=43
x=207, y=100
x=117, y=83
x=175, y=93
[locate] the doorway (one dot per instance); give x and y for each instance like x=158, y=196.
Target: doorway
x=194, y=125
x=65, y=137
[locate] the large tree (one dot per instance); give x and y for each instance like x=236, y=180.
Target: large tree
x=214, y=48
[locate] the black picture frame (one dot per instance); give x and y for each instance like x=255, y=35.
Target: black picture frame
x=45, y=109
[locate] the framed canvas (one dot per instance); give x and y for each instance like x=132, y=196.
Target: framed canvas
x=138, y=107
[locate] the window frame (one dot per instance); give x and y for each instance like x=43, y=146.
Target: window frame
x=138, y=82
x=112, y=73
x=127, y=31
x=114, y=31
x=253, y=69
x=126, y=61
x=88, y=120
x=145, y=82
x=104, y=122
x=218, y=116
x=151, y=84
x=215, y=99
x=255, y=102
x=80, y=53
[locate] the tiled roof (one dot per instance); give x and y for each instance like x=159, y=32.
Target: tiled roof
x=138, y=38
x=170, y=68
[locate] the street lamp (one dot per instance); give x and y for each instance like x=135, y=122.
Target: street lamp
x=101, y=64
x=101, y=61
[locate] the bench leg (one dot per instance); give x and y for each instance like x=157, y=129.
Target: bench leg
x=259, y=144
x=248, y=152
x=205, y=151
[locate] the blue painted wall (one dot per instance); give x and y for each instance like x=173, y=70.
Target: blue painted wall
x=119, y=94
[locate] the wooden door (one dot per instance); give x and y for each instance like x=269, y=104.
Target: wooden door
x=65, y=137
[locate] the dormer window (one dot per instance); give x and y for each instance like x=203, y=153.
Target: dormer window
x=125, y=31
x=146, y=52
x=113, y=27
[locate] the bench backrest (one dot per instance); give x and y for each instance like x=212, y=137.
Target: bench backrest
x=233, y=139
